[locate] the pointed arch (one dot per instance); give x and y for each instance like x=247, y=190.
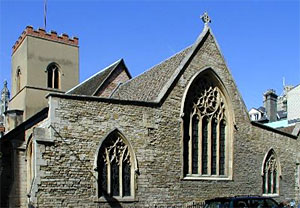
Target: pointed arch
x=53, y=75
x=271, y=173
x=207, y=141
x=115, y=166
x=30, y=162
x=18, y=79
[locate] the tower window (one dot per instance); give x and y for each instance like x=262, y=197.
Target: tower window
x=18, y=80
x=53, y=76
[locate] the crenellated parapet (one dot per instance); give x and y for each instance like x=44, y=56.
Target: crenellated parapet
x=41, y=33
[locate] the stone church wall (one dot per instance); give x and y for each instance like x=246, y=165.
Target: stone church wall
x=155, y=133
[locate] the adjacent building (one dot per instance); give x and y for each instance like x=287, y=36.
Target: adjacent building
x=279, y=111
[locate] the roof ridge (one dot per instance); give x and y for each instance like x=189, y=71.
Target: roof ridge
x=94, y=75
x=183, y=62
x=154, y=66
x=110, y=73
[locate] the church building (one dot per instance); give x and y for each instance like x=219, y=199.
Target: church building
x=177, y=134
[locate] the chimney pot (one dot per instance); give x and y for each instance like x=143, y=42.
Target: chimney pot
x=270, y=103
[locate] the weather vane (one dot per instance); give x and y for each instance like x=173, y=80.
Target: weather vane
x=205, y=18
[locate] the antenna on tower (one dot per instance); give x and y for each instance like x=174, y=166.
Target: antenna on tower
x=283, y=82
x=45, y=14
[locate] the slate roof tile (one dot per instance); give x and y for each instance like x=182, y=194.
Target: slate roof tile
x=90, y=85
x=147, y=86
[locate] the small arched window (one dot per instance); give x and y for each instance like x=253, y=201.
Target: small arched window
x=271, y=173
x=207, y=133
x=18, y=80
x=115, y=168
x=53, y=76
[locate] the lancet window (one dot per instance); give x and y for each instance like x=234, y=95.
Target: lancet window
x=18, y=80
x=206, y=131
x=271, y=174
x=115, y=168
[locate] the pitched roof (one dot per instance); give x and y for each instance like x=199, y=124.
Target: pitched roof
x=147, y=86
x=93, y=83
x=262, y=109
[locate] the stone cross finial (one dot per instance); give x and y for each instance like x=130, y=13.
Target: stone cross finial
x=205, y=18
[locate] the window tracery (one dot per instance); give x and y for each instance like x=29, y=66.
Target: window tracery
x=270, y=174
x=115, y=168
x=53, y=76
x=206, y=121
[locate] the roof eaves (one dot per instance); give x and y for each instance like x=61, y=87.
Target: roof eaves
x=104, y=99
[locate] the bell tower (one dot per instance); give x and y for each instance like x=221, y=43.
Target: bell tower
x=41, y=63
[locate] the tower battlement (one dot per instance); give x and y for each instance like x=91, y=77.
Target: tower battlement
x=41, y=33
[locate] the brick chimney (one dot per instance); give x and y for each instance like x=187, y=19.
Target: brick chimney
x=270, y=103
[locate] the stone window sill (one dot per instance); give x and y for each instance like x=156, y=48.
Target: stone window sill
x=208, y=178
x=271, y=195
x=115, y=199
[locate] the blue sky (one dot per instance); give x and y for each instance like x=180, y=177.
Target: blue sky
x=260, y=40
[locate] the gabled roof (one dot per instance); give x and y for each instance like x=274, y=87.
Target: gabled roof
x=146, y=86
x=153, y=85
x=92, y=85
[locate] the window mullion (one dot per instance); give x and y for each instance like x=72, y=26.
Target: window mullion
x=121, y=176
x=209, y=152
x=218, y=149
x=272, y=182
x=226, y=148
x=53, y=77
x=200, y=146
x=190, y=144
x=108, y=175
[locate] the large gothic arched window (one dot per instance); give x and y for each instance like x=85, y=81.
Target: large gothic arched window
x=271, y=173
x=115, y=168
x=207, y=130
x=53, y=76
